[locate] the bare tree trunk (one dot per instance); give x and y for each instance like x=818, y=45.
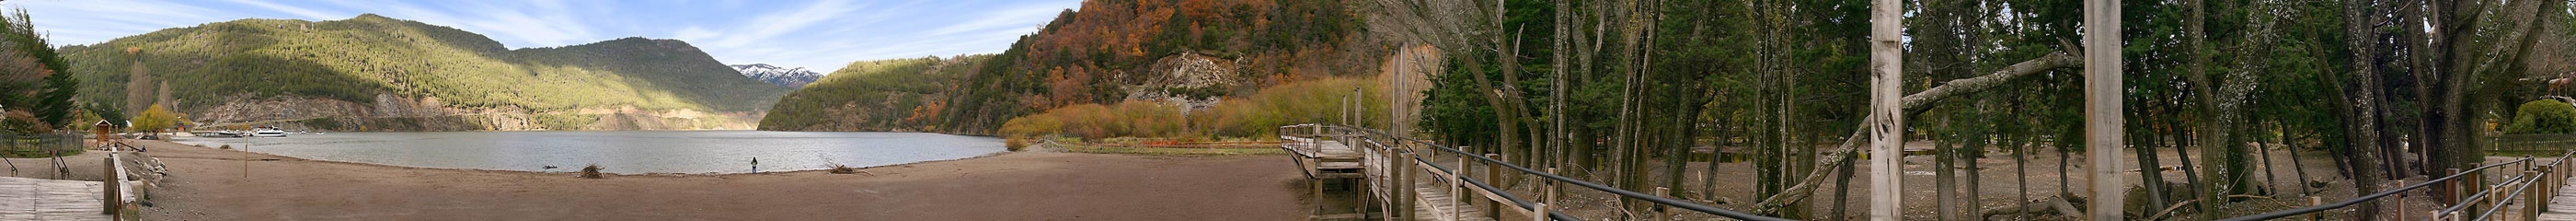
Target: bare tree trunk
x=2102, y=107
x=1887, y=121
x=1630, y=113
x=1556, y=135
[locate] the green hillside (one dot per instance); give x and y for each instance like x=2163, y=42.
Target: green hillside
x=883, y=95
x=358, y=59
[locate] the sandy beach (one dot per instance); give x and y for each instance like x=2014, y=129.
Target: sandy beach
x=213, y=184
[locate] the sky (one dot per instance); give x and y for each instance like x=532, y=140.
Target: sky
x=821, y=35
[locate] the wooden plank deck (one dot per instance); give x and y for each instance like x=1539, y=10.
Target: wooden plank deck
x=2563, y=206
x=43, y=199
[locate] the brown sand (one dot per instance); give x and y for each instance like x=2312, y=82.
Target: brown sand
x=209, y=184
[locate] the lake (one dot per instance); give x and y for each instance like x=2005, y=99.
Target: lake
x=621, y=152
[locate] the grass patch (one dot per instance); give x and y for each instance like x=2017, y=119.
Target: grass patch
x=1015, y=143
x=1119, y=148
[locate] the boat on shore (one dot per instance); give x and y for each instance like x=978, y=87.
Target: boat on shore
x=267, y=132
x=219, y=133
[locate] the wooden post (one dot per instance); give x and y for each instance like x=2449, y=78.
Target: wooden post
x=1886, y=124
x=1403, y=179
x=1316, y=187
x=1493, y=176
x=2531, y=198
x=2102, y=107
x=1661, y=213
x=1453, y=186
x=1540, y=213
x=110, y=183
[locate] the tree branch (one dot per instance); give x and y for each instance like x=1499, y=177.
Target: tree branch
x=1913, y=103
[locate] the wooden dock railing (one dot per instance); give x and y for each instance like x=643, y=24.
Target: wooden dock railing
x=2526, y=190
x=1420, y=180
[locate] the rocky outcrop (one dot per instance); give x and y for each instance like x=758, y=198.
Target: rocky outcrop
x=1190, y=81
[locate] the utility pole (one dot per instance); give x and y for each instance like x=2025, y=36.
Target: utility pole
x=2102, y=106
x=1887, y=124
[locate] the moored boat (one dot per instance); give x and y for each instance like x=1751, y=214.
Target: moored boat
x=267, y=132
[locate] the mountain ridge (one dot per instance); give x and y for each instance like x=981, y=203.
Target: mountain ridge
x=785, y=77
x=372, y=72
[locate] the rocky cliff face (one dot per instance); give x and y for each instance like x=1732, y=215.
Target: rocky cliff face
x=1190, y=81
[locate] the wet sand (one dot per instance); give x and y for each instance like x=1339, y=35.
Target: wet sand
x=212, y=184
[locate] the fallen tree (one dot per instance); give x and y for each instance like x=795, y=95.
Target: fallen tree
x=1915, y=104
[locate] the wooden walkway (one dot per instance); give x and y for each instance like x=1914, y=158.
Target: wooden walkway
x=2563, y=206
x=1387, y=177
x=43, y=199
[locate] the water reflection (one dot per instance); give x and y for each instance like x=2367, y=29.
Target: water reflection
x=624, y=152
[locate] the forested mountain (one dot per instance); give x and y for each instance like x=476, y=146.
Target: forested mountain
x=881, y=95
x=785, y=77
x=1190, y=54
x=378, y=73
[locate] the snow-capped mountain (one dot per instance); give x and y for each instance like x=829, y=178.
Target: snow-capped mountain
x=788, y=77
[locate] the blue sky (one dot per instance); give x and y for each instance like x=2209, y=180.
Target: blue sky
x=822, y=35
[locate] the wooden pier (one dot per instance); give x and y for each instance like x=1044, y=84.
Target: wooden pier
x=43, y=199
x=1391, y=179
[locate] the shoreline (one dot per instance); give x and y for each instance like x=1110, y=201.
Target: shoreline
x=576, y=173
x=211, y=184
x=576, y=169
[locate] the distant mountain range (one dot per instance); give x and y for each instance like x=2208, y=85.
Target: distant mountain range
x=376, y=73
x=789, y=77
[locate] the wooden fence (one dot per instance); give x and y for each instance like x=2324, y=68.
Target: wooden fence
x=2541, y=143
x=39, y=144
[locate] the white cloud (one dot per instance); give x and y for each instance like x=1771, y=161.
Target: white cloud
x=1009, y=18
x=306, y=13
x=540, y=24
x=71, y=22
x=773, y=25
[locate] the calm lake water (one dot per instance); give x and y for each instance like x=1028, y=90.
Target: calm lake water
x=622, y=152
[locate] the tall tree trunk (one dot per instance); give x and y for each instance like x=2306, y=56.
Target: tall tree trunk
x=2151, y=171
x=1886, y=121
x=1945, y=189
x=1556, y=134
x=2364, y=114
x=2021, y=165
x=2206, y=129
